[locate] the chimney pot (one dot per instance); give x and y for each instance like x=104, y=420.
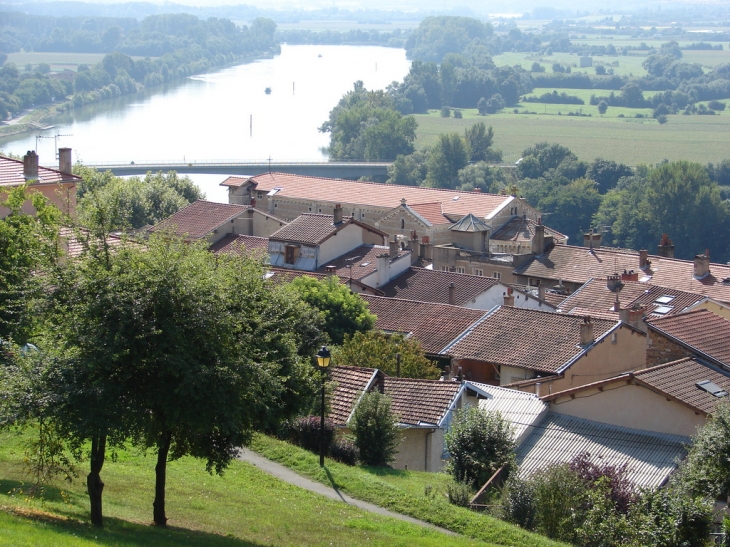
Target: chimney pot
x=65, y=161
x=538, y=240
x=452, y=294
x=394, y=248
x=337, y=214
x=666, y=247
x=643, y=259
x=586, y=332
x=702, y=265
x=30, y=165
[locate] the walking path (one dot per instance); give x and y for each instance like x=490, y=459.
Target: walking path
x=287, y=475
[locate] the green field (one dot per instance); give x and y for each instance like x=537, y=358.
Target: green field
x=629, y=65
x=243, y=508
x=628, y=140
x=58, y=61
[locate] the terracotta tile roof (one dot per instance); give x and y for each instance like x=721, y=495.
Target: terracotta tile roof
x=11, y=174
x=433, y=286
x=200, y=218
x=314, y=228
x=74, y=247
x=552, y=339
x=522, y=230
x=241, y=244
x=595, y=298
x=235, y=182
x=378, y=195
x=579, y=264
x=364, y=261
x=351, y=382
x=554, y=299
x=701, y=330
x=432, y=212
x=421, y=402
x=679, y=380
x=433, y=325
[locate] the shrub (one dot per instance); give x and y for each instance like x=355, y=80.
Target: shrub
x=445, y=112
x=376, y=431
x=459, y=493
x=479, y=444
x=716, y=105
x=457, y=114
x=662, y=119
x=344, y=450
x=305, y=430
x=518, y=502
x=559, y=494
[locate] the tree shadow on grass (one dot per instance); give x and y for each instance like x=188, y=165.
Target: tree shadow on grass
x=118, y=532
x=385, y=471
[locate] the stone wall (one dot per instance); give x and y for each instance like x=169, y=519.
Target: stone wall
x=660, y=349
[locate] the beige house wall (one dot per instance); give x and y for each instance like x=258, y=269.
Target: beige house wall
x=62, y=195
x=634, y=406
x=421, y=450
x=263, y=225
x=714, y=307
x=347, y=239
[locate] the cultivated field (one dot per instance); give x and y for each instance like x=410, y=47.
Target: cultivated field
x=628, y=140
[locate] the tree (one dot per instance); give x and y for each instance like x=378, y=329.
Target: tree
x=344, y=312
x=602, y=107
x=479, y=143
x=482, y=106
x=479, y=443
x=607, y=173
x=483, y=176
x=183, y=352
x=448, y=156
x=376, y=430
x=537, y=159
x=571, y=207
x=374, y=349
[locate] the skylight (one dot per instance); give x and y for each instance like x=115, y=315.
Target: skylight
x=666, y=299
x=663, y=310
x=274, y=191
x=712, y=388
x=455, y=198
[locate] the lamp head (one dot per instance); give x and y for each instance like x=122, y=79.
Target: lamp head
x=323, y=357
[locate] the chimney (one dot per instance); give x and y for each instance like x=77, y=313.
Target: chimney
x=591, y=240
x=452, y=294
x=614, y=282
x=631, y=275
x=64, y=161
x=666, y=247
x=644, y=262
x=330, y=269
x=541, y=292
x=425, y=249
x=414, y=247
x=446, y=376
x=338, y=214
x=397, y=365
x=538, y=240
x=459, y=375
x=633, y=316
x=30, y=165
x=509, y=298
x=537, y=389
x=394, y=248
x=383, y=269
x=586, y=332
x=702, y=265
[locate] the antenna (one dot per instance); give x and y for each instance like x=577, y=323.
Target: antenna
x=55, y=141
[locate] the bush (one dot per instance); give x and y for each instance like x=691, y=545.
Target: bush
x=376, y=431
x=457, y=114
x=344, y=450
x=459, y=493
x=559, y=495
x=479, y=444
x=305, y=430
x=716, y=105
x=445, y=112
x=518, y=502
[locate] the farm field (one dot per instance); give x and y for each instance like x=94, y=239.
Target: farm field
x=628, y=140
x=58, y=61
x=622, y=65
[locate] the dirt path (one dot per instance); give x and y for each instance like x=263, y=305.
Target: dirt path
x=287, y=475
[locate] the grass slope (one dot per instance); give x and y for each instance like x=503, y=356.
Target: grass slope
x=244, y=507
x=400, y=491
x=627, y=140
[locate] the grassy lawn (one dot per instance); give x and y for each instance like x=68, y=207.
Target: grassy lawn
x=244, y=507
x=628, y=140
x=401, y=491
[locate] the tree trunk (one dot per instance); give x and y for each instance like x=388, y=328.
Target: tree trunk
x=94, y=485
x=163, y=448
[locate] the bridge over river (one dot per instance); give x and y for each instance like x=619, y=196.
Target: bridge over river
x=377, y=171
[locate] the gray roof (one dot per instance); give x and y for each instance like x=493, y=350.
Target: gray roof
x=470, y=223
x=523, y=410
x=558, y=438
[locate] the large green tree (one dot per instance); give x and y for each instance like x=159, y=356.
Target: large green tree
x=448, y=156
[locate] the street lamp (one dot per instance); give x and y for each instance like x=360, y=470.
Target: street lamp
x=323, y=361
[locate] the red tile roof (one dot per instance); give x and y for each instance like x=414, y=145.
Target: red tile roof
x=433, y=325
x=523, y=230
x=11, y=174
x=700, y=330
x=363, y=259
x=200, y=218
x=378, y=195
x=241, y=244
x=579, y=264
x=315, y=228
x=432, y=212
x=529, y=339
x=350, y=383
x=433, y=286
x=421, y=402
x=679, y=380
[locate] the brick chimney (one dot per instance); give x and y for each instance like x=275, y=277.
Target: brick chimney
x=538, y=240
x=633, y=316
x=702, y=265
x=586, y=332
x=644, y=262
x=452, y=294
x=394, y=248
x=631, y=275
x=591, y=240
x=65, y=161
x=30, y=165
x=509, y=298
x=666, y=247
x=337, y=214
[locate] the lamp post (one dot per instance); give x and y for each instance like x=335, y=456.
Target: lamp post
x=323, y=361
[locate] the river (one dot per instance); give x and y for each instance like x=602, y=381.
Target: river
x=225, y=114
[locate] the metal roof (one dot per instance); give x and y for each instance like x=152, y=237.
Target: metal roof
x=522, y=410
x=558, y=438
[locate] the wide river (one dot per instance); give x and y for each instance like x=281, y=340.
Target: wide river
x=223, y=115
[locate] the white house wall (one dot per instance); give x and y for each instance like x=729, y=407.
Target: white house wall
x=347, y=239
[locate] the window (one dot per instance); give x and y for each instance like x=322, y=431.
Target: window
x=496, y=275
x=461, y=270
x=402, y=223
x=444, y=268
x=291, y=252
x=480, y=273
